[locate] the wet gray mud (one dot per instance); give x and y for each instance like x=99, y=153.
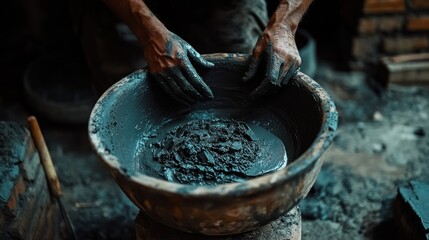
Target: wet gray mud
x=215, y=151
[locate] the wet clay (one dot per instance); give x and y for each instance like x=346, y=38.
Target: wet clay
x=210, y=151
x=207, y=152
x=135, y=113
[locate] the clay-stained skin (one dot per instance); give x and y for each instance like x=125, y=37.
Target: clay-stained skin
x=277, y=46
x=169, y=63
x=168, y=56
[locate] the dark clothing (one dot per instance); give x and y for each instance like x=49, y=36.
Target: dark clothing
x=210, y=26
x=215, y=25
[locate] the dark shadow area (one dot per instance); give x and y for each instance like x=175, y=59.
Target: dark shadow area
x=385, y=230
x=333, y=24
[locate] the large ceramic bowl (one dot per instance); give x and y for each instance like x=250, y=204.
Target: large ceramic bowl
x=301, y=114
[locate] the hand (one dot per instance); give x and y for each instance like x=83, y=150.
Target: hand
x=169, y=63
x=277, y=45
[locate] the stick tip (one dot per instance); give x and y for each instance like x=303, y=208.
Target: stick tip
x=31, y=118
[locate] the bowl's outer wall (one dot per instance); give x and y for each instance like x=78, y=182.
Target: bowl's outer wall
x=118, y=121
x=220, y=215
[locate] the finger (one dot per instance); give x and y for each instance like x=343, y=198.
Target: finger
x=271, y=81
x=178, y=94
x=293, y=73
x=172, y=79
x=196, y=81
x=274, y=66
x=253, y=67
x=197, y=58
x=256, y=60
x=164, y=80
x=161, y=82
x=186, y=87
x=263, y=89
x=287, y=75
x=296, y=73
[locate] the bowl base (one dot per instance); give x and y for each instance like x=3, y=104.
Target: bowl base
x=287, y=227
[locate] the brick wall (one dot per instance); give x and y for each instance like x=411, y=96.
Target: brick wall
x=391, y=27
x=26, y=209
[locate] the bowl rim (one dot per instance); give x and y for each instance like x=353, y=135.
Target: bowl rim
x=302, y=164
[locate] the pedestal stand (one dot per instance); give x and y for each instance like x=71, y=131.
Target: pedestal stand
x=287, y=227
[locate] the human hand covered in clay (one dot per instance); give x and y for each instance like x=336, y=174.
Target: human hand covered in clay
x=170, y=62
x=170, y=59
x=277, y=49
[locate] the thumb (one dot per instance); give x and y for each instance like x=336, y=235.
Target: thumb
x=197, y=58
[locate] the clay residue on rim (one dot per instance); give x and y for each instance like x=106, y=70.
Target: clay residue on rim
x=135, y=106
x=322, y=141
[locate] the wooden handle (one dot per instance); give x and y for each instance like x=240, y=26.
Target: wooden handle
x=45, y=157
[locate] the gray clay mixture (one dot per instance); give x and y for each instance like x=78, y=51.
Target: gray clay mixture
x=208, y=152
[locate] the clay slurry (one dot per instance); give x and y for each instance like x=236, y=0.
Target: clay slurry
x=215, y=151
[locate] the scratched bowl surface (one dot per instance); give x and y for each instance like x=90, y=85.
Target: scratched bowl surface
x=301, y=114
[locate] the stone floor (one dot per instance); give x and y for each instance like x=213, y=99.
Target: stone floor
x=382, y=142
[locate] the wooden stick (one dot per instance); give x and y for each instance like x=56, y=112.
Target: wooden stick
x=51, y=174
x=45, y=157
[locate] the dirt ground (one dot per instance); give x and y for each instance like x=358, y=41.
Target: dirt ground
x=382, y=142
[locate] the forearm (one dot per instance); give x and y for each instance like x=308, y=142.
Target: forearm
x=288, y=14
x=138, y=17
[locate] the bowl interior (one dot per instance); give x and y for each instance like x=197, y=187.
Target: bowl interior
x=129, y=112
